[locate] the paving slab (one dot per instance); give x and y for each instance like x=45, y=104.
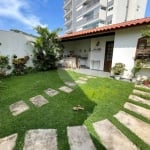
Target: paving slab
x=137, y=126
x=40, y=139
x=69, y=83
x=137, y=109
x=51, y=92
x=139, y=99
x=111, y=137
x=39, y=100
x=9, y=142
x=139, y=92
x=142, y=86
x=79, y=138
x=18, y=108
x=66, y=89
x=83, y=78
x=91, y=77
x=80, y=82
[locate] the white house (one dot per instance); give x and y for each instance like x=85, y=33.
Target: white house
x=100, y=48
x=16, y=43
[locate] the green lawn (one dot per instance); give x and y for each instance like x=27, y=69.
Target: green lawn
x=101, y=98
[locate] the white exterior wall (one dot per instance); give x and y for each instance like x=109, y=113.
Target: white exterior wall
x=16, y=44
x=136, y=9
x=119, y=11
x=99, y=54
x=125, y=47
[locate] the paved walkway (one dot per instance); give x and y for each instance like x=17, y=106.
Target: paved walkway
x=78, y=137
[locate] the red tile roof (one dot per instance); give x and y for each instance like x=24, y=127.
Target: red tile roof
x=109, y=28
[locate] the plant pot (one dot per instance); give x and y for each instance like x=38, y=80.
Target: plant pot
x=146, y=82
x=117, y=77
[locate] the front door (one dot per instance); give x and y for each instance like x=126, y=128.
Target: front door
x=108, y=56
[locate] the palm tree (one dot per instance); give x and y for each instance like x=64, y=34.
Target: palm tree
x=47, y=49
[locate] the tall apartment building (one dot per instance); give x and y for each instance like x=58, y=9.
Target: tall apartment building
x=86, y=14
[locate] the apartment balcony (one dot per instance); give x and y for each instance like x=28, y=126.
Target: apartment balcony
x=68, y=13
x=67, y=2
x=88, y=19
x=68, y=22
x=86, y=9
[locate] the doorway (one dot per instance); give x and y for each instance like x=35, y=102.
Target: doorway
x=108, y=56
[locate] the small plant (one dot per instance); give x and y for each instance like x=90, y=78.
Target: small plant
x=4, y=65
x=118, y=69
x=20, y=65
x=147, y=81
x=137, y=67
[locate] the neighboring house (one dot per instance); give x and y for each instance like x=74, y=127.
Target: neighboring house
x=87, y=14
x=16, y=43
x=102, y=47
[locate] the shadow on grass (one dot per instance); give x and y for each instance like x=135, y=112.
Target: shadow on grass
x=57, y=114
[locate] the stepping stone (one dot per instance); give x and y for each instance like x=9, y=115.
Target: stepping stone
x=65, y=89
x=9, y=142
x=139, y=99
x=142, y=86
x=138, y=127
x=70, y=83
x=90, y=77
x=111, y=137
x=83, y=78
x=41, y=139
x=80, y=81
x=141, y=93
x=51, y=92
x=79, y=138
x=18, y=108
x=39, y=100
x=137, y=109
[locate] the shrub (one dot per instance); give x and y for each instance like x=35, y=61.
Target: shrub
x=118, y=69
x=19, y=65
x=4, y=65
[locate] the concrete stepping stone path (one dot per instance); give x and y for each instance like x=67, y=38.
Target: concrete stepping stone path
x=80, y=82
x=71, y=84
x=111, y=137
x=41, y=139
x=79, y=138
x=39, y=100
x=65, y=89
x=137, y=126
x=83, y=78
x=51, y=92
x=91, y=77
x=139, y=99
x=18, y=108
x=137, y=109
x=9, y=142
x=142, y=86
x=139, y=92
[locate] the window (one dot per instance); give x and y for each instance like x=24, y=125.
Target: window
x=103, y=7
x=110, y=8
x=143, y=48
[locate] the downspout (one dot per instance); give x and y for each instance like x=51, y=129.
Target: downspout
x=127, y=10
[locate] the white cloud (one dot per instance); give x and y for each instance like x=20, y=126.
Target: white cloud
x=16, y=9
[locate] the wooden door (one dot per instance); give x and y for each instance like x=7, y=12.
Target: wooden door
x=108, y=56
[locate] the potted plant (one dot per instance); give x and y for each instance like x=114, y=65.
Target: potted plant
x=118, y=70
x=147, y=82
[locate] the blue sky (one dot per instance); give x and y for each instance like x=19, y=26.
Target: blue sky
x=147, y=13
x=25, y=14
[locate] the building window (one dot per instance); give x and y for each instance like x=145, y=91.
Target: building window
x=143, y=48
x=103, y=7
x=110, y=8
